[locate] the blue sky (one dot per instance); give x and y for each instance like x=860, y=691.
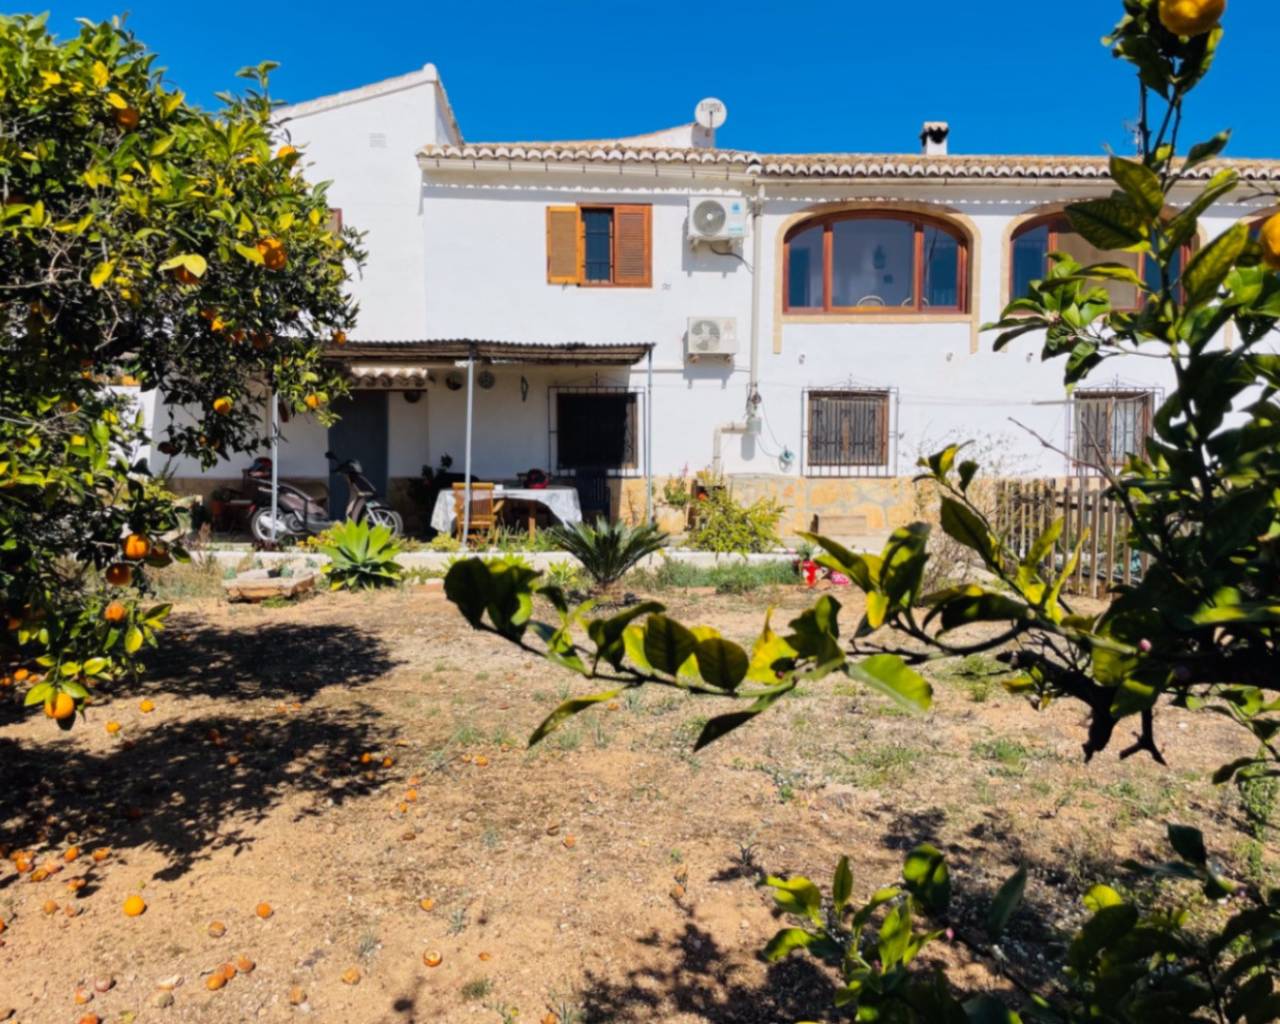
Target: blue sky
x=1012, y=76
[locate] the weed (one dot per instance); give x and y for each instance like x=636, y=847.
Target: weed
x=458, y=921
x=490, y=838
x=476, y=989
x=466, y=735
x=367, y=946
x=730, y=578
x=507, y=1014
x=1011, y=755
x=677, y=856
x=600, y=735
x=568, y=739
x=784, y=782
x=881, y=765
x=566, y=1009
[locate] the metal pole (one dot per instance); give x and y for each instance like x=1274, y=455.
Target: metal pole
x=648, y=442
x=275, y=465
x=466, y=490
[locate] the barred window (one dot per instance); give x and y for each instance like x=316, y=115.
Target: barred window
x=1110, y=426
x=848, y=429
x=596, y=430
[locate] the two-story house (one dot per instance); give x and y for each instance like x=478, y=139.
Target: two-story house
x=805, y=325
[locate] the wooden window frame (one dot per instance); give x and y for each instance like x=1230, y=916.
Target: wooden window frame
x=1055, y=223
x=1151, y=398
x=613, y=208
x=919, y=222
x=636, y=415
x=883, y=465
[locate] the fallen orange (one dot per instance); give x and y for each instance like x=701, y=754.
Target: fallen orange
x=134, y=906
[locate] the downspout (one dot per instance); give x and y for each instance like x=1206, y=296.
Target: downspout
x=466, y=489
x=751, y=423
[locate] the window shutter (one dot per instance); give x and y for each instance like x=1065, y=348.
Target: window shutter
x=632, y=246
x=564, y=259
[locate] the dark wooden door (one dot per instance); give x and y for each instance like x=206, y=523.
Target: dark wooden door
x=360, y=434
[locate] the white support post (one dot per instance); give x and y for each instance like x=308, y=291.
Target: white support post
x=648, y=442
x=466, y=490
x=275, y=466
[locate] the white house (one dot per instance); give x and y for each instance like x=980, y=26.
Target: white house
x=805, y=325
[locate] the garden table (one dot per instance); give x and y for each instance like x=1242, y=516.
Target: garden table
x=561, y=502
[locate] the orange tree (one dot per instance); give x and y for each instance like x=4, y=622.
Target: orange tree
x=146, y=242
x=1200, y=629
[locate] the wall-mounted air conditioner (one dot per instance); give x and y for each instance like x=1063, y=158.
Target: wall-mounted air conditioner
x=717, y=219
x=711, y=337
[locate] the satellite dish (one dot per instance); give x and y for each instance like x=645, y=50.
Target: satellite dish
x=710, y=113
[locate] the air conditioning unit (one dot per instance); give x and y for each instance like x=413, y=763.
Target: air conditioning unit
x=710, y=336
x=717, y=219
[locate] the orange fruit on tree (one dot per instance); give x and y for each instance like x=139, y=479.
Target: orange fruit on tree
x=134, y=906
x=1191, y=17
x=273, y=253
x=146, y=707
x=112, y=728
x=263, y=910
x=284, y=152
x=63, y=705
x=1268, y=237
x=339, y=337
x=184, y=276
x=119, y=574
x=135, y=547
x=127, y=118
x=313, y=401
x=115, y=611
x=222, y=405
x=433, y=958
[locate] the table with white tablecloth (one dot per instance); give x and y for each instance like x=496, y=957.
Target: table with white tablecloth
x=561, y=502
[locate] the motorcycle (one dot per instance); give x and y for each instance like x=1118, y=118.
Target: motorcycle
x=301, y=515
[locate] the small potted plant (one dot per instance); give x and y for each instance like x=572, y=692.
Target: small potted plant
x=218, y=504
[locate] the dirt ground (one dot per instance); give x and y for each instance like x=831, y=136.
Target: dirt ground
x=608, y=875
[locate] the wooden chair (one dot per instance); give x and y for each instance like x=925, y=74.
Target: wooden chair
x=484, y=511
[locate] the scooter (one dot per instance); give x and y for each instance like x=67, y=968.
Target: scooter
x=301, y=515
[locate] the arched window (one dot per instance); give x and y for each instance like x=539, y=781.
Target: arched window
x=874, y=262
x=1034, y=240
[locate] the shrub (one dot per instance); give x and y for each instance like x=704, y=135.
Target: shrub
x=732, y=578
x=724, y=526
x=608, y=551
x=361, y=557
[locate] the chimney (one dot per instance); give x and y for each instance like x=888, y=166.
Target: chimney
x=933, y=138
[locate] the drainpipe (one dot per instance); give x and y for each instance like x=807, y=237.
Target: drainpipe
x=466, y=490
x=751, y=423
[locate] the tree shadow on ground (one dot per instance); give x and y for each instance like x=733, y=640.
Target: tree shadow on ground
x=698, y=978
x=192, y=787
x=279, y=661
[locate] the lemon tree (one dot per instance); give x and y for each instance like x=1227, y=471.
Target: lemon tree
x=144, y=243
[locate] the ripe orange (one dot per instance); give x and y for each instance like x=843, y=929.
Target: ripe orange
x=184, y=276
x=481, y=761
x=222, y=405
x=351, y=976
x=134, y=906
x=433, y=958
x=217, y=929
x=136, y=547
x=297, y=996
x=273, y=254
x=82, y=996
x=113, y=728
x=119, y=574
x=1268, y=236
x=72, y=853
x=228, y=971
x=2, y=925
x=570, y=842
x=50, y=907
x=339, y=337
x=146, y=707
x=313, y=401
x=61, y=706
x=127, y=118
x=115, y=612
x=365, y=758
x=90, y=1018
x=284, y=152
x=215, y=981
x=76, y=884
x=101, y=854
x=388, y=761
x=263, y=910
x=1191, y=17
x=411, y=796
x=486, y=957
x=427, y=903
x=244, y=965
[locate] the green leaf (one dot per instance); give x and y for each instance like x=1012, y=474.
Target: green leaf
x=890, y=675
x=1141, y=184
x=962, y=524
x=133, y=640
x=841, y=886
x=1188, y=843
x=771, y=656
x=797, y=896
x=566, y=711
x=1102, y=896
x=927, y=878
x=1108, y=224
x=633, y=643
x=38, y=694
x=607, y=634
x=787, y=940
x=99, y=275
x=1007, y=900
x=721, y=663
x=192, y=262
x=94, y=666
x=1203, y=151
x=722, y=725
x=467, y=586
x=667, y=644
x=250, y=253
x=1210, y=266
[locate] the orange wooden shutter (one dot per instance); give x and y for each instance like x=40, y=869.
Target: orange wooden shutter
x=632, y=245
x=564, y=258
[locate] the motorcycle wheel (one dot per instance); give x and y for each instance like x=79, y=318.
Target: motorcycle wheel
x=380, y=515
x=260, y=527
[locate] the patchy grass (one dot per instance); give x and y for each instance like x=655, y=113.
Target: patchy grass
x=729, y=578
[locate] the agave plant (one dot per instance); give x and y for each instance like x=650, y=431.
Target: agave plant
x=608, y=551
x=361, y=557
